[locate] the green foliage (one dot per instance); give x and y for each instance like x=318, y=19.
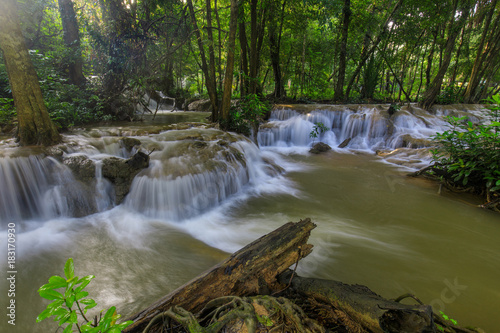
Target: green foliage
x=7, y=111
x=67, y=304
x=318, y=129
x=445, y=317
x=449, y=95
x=469, y=153
x=68, y=105
x=248, y=114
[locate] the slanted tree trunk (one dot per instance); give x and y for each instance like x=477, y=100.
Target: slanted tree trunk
x=369, y=51
x=481, y=54
x=35, y=126
x=339, y=88
x=72, y=41
x=228, y=80
x=453, y=32
x=247, y=272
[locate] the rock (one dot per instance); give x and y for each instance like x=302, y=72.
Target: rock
x=345, y=143
x=319, y=148
x=82, y=168
x=411, y=142
x=121, y=172
x=129, y=143
x=200, y=105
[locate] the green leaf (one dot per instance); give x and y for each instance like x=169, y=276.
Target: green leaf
x=69, y=269
x=44, y=314
x=83, y=282
x=50, y=294
x=68, y=328
x=56, y=282
x=81, y=295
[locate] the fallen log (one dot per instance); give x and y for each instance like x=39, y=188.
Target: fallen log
x=367, y=311
x=249, y=271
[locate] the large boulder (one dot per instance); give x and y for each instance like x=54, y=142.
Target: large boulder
x=319, y=148
x=121, y=172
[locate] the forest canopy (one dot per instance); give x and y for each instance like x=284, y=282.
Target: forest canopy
x=97, y=60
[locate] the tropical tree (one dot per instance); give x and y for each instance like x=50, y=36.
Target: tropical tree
x=34, y=124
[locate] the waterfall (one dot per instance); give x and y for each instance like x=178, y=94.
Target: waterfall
x=38, y=187
x=369, y=127
x=190, y=177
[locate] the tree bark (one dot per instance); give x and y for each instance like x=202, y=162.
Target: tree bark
x=35, y=126
x=209, y=80
x=274, y=50
x=247, y=272
x=228, y=79
x=72, y=41
x=339, y=88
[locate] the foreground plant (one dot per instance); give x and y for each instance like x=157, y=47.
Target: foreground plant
x=66, y=307
x=469, y=154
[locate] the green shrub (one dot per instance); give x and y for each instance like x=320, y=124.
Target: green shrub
x=470, y=153
x=67, y=305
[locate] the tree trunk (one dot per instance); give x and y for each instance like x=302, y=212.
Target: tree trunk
x=254, y=55
x=72, y=41
x=211, y=63
x=481, y=54
x=339, y=89
x=374, y=45
x=35, y=126
x=244, y=85
x=247, y=272
x=228, y=79
x=274, y=50
x=454, y=30
x=209, y=80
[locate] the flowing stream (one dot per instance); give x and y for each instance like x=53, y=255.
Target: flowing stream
x=207, y=193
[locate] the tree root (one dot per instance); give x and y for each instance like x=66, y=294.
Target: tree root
x=239, y=314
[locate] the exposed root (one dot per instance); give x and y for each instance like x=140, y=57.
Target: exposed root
x=239, y=314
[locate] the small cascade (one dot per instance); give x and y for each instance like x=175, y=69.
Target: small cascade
x=193, y=175
x=104, y=197
x=38, y=187
x=369, y=127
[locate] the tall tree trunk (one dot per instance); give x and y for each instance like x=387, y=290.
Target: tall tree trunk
x=35, y=126
x=274, y=50
x=481, y=55
x=254, y=55
x=339, y=88
x=211, y=63
x=209, y=81
x=372, y=48
x=244, y=86
x=430, y=57
x=454, y=30
x=231, y=44
x=72, y=40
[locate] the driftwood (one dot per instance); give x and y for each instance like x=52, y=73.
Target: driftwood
x=224, y=297
x=365, y=310
x=250, y=271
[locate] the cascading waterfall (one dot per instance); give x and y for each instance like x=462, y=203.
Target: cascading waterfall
x=368, y=127
x=189, y=177
x=38, y=187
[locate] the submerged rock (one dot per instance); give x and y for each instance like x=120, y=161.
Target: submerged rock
x=319, y=148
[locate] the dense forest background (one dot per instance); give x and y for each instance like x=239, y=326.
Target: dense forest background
x=97, y=60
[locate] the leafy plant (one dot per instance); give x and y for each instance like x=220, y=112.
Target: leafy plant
x=469, y=153
x=67, y=305
x=318, y=129
x=248, y=114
